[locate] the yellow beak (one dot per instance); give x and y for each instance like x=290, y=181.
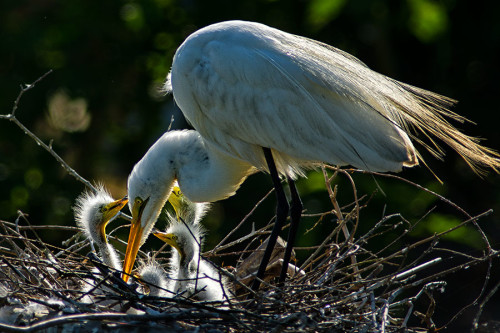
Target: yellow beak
x=175, y=200
x=111, y=210
x=114, y=207
x=134, y=239
x=170, y=239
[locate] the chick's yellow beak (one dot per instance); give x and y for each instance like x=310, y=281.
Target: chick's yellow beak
x=175, y=200
x=134, y=238
x=113, y=208
x=110, y=210
x=170, y=239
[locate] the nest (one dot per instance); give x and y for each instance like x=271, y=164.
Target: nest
x=340, y=286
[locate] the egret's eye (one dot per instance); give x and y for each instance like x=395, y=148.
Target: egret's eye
x=177, y=191
x=174, y=237
x=104, y=209
x=138, y=206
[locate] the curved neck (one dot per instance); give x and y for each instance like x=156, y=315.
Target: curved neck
x=204, y=174
x=106, y=250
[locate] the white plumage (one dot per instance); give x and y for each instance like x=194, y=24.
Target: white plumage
x=245, y=86
x=264, y=86
x=93, y=211
x=156, y=279
x=191, y=274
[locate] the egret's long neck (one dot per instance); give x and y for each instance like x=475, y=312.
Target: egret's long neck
x=206, y=175
x=106, y=250
x=176, y=270
x=110, y=257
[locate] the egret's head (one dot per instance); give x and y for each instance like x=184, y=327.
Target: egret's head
x=153, y=278
x=148, y=191
x=186, y=210
x=93, y=211
x=150, y=184
x=172, y=240
x=177, y=199
x=185, y=238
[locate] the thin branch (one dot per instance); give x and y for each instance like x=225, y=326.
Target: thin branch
x=12, y=117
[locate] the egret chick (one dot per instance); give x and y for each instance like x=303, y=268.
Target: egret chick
x=192, y=274
x=155, y=279
x=186, y=210
x=93, y=212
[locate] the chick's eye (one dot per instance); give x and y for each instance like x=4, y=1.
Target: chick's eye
x=138, y=201
x=104, y=209
x=177, y=191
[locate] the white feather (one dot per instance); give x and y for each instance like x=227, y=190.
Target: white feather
x=194, y=275
x=244, y=86
x=307, y=102
x=88, y=215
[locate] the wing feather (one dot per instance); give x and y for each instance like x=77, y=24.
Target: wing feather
x=244, y=86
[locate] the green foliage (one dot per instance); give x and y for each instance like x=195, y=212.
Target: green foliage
x=436, y=223
x=428, y=19
x=322, y=12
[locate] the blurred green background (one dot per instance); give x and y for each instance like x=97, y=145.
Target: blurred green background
x=102, y=110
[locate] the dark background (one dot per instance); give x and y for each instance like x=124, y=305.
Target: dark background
x=101, y=108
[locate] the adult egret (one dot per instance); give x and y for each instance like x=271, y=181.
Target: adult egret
x=191, y=274
x=263, y=99
x=93, y=211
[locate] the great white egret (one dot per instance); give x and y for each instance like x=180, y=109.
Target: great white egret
x=93, y=211
x=191, y=274
x=263, y=99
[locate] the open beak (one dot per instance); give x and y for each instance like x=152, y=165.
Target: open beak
x=134, y=239
x=111, y=210
x=114, y=207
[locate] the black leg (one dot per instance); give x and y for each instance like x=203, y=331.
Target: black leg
x=295, y=214
x=281, y=214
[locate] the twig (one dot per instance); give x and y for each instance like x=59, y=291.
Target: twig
x=218, y=247
x=342, y=221
x=475, y=322
x=440, y=197
x=12, y=117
